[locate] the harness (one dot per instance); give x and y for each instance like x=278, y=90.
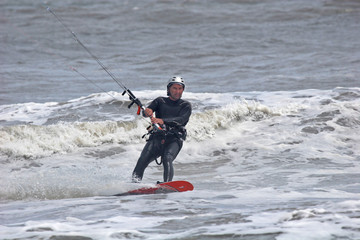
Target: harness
x=163, y=133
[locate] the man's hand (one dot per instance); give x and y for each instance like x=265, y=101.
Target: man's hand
x=148, y=112
x=157, y=120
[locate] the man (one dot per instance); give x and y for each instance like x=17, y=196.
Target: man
x=171, y=115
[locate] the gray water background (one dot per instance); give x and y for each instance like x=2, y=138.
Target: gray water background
x=217, y=46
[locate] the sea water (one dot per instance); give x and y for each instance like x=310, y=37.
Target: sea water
x=273, y=146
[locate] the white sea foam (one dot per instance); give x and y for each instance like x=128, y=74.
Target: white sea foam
x=36, y=141
x=264, y=164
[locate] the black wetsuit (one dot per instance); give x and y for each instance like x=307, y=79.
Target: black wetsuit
x=168, y=143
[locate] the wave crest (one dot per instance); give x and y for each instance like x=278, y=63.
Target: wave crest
x=33, y=141
x=204, y=125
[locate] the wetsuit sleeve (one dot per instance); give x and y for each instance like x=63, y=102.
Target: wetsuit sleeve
x=183, y=116
x=154, y=104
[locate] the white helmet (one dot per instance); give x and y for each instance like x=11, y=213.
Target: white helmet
x=176, y=80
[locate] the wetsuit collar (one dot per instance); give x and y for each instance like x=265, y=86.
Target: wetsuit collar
x=174, y=101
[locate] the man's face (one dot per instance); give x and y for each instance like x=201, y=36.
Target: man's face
x=176, y=91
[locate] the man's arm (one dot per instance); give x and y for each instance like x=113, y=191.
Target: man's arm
x=183, y=117
x=148, y=112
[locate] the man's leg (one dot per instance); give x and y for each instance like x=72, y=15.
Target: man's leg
x=169, y=155
x=148, y=154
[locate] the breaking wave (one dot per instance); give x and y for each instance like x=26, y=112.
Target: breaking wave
x=34, y=141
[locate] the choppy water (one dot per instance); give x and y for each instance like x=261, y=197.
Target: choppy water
x=273, y=149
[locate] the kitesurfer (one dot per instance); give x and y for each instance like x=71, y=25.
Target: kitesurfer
x=168, y=132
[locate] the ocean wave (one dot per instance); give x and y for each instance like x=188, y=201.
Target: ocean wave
x=34, y=141
x=81, y=108
x=312, y=111
x=204, y=125
x=96, y=107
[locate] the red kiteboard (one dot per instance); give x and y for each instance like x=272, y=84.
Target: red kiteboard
x=167, y=187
